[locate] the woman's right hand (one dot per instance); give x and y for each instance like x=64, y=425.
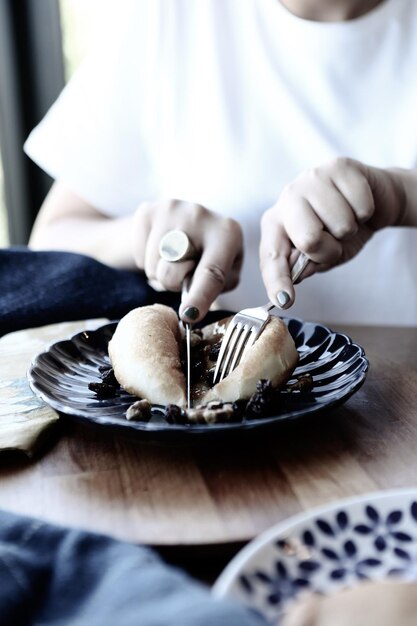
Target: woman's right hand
x=218, y=242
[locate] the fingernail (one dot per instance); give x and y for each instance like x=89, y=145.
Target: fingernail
x=283, y=298
x=191, y=312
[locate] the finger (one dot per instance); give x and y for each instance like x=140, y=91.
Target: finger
x=233, y=277
x=274, y=255
x=220, y=255
x=152, y=256
x=333, y=210
x=306, y=231
x=172, y=275
x=354, y=186
x=207, y=283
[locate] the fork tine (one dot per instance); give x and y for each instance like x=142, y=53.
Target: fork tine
x=253, y=337
x=245, y=328
x=231, y=348
x=254, y=331
x=240, y=347
x=241, y=334
x=224, y=345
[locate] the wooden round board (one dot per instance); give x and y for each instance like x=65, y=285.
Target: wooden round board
x=207, y=494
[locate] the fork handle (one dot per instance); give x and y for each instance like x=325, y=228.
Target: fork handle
x=299, y=267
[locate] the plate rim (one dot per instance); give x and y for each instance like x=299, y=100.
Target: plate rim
x=229, y=574
x=198, y=430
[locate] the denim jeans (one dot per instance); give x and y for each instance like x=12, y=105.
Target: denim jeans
x=38, y=288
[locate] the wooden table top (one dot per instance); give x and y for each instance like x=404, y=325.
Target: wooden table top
x=175, y=496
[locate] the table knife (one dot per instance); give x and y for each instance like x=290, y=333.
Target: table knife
x=185, y=287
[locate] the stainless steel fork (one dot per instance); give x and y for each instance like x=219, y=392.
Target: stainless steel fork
x=244, y=329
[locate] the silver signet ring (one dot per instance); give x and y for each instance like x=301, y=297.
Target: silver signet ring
x=175, y=246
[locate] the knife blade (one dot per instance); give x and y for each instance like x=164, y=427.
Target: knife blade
x=188, y=344
x=174, y=247
x=187, y=327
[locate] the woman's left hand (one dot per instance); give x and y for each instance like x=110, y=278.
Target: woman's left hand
x=328, y=213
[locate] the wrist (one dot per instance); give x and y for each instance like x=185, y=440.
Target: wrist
x=405, y=185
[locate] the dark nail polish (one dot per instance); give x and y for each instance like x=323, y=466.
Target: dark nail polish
x=283, y=299
x=191, y=312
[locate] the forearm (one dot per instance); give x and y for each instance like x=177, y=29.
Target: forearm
x=407, y=183
x=67, y=222
x=107, y=240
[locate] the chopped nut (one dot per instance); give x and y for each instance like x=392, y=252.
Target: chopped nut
x=212, y=413
x=304, y=382
x=139, y=411
x=195, y=416
x=214, y=405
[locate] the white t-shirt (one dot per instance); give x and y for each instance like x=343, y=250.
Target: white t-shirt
x=223, y=102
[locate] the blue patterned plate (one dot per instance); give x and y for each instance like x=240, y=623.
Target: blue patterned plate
x=368, y=537
x=61, y=374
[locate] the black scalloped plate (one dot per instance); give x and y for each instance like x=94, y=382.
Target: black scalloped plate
x=61, y=374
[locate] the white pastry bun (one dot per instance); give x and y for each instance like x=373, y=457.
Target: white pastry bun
x=145, y=352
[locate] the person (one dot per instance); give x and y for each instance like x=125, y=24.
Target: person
x=263, y=129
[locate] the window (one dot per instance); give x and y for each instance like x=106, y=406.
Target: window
x=4, y=237
x=79, y=19
x=34, y=36
x=30, y=42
